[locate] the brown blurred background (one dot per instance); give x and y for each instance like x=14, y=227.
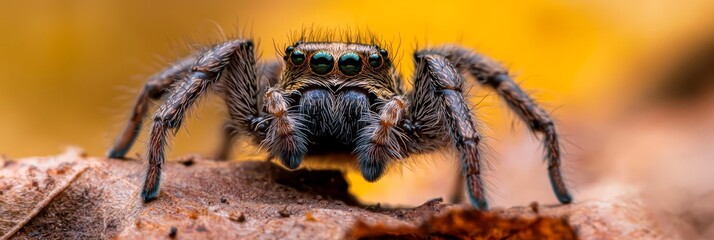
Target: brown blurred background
x=628, y=81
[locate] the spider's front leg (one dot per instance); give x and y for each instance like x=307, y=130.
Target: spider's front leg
x=490, y=73
x=439, y=104
x=234, y=60
x=434, y=112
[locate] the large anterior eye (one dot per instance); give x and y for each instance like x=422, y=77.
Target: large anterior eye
x=350, y=64
x=322, y=62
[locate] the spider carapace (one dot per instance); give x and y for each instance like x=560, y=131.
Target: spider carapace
x=327, y=96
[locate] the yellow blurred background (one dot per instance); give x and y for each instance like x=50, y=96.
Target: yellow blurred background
x=71, y=70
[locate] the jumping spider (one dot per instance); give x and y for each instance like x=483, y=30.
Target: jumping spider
x=338, y=96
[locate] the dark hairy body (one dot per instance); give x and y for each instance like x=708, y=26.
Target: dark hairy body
x=338, y=96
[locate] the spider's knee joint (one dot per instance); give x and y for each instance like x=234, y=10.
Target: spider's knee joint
x=446, y=78
x=169, y=121
x=546, y=126
x=472, y=140
x=419, y=56
x=494, y=80
x=206, y=73
x=154, y=89
x=242, y=44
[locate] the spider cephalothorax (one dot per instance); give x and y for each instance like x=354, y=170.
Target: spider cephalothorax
x=338, y=96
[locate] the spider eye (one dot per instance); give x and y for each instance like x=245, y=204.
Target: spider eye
x=350, y=64
x=322, y=62
x=289, y=49
x=375, y=60
x=297, y=57
x=383, y=52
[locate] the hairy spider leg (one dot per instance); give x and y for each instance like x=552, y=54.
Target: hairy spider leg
x=433, y=113
x=438, y=81
x=382, y=140
x=492, y=74
x=234, y=59
x=161, y=83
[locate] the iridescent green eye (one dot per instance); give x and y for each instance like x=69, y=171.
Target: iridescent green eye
x=350, y=64
x=322, y=62
x=375, y=60
x=297, y=57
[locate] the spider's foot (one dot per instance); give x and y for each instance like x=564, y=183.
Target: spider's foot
x=149, y=194
x=480, y=204
x=116, y=153
x=559, y=188
x=371, y=169
x=291, y=161
x=565, y=198
x=150, y=189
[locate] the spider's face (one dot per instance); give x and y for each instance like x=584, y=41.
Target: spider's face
x=337, y=65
